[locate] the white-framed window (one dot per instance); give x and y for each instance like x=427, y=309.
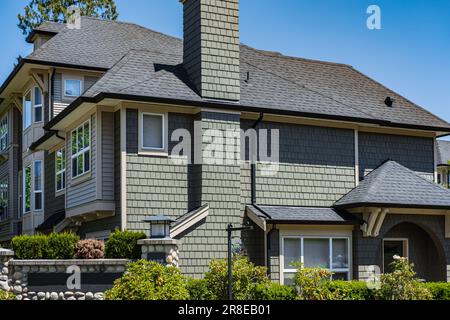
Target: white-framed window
x=4, y=199
x=81, y=149
x=73, y=87
x=332, y=253
x=38, y=199
x=27, y=110
x=152, y=131
x=4, y=132
x=37, y=104
x=60, y=169
x=27, y=189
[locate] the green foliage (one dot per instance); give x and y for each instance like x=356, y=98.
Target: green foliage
x=311, y=284
x=90, y=249
x=53, y=246
x=272, y=291
x=198, y=289
x=245, y=275
x=439, y=290
x=350, y=290
x=146, y=280
x=402, y=283
x=38, y=11
x=123, y=245
x=6, y=295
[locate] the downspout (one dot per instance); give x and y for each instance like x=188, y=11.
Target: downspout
x=253, y=164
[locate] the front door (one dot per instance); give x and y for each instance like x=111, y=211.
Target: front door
x=392, y=248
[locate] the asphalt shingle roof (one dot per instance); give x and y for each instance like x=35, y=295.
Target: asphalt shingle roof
x=443, y=152
x=308, y=215
x=143, y=62
x=394, y=185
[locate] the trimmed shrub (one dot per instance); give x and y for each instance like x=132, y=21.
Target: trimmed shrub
x=198, y=289
x=90, y=249
x=6, y=295
x=350, y=290
x=61, y=245
x=30, y=247
x=245, y=275
x=439, y=290
x=272, y=291
x=312, y=284
x=148, y=280
x=123, y=245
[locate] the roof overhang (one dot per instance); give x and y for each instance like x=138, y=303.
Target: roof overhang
x=190, y=219
x=48, y=141
x=32, y=36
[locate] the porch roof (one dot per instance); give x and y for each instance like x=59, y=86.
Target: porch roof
x=393, y=185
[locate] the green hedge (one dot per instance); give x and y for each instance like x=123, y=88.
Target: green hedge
x=198, y=289
x=53, y=246
x=350, y=290
x=272, y=291
x=123, y=245
x=439, y=290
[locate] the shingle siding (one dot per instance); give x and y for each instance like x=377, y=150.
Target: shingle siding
x=53, y=204
x=107, y=156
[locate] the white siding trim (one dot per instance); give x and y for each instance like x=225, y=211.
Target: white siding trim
x=356, y=157
x=123, y=168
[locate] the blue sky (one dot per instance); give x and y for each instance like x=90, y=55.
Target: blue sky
x=410, y=54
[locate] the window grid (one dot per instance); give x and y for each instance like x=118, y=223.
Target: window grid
x=81, y=147
x=4, y=133
x=38, y=185
x=4, y=199
x=27, y=189
x=60, y=169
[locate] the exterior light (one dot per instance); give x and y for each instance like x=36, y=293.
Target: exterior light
x=159, y=226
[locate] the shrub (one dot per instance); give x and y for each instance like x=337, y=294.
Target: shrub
x=198, y=289
x=61, y=245
x=272, y=291
x=4, y=295
x=90, y=249
x=439, y=290
x=402, y=283
x=350, y=290
x=312, y=284
x=123, y=245
x=245, y=275
x=147, y=280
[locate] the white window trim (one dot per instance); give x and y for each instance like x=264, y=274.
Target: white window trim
x=62, y=171
x=35, y=191
x=73, y=78
x=34, y=106
x=164, y=128
x=6, y=216
x=405, y=247
x=80, y=152
x=293, y=270
x=24, y=195
x=5, y=135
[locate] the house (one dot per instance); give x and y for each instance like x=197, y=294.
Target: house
x=443, y=162
x=346, y=180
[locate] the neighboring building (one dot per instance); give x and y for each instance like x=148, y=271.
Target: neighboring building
x=443, y=162
x=102, y=105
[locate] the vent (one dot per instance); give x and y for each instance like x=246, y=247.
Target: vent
x=389, y=102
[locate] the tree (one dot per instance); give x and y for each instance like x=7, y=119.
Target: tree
x=38, y=11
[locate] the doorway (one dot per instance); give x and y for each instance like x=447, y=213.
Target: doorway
x=391, y=248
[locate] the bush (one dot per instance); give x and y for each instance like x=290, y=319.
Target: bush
x=350, y=290
x=90, y=249
x=272, y=291
x=245, y=275
x=6, y=295
x=439, y=290
x=123, y=245
x=198, y=289
x=312, y=284
x=402, y=283
x=53, y=246
x=147, y=280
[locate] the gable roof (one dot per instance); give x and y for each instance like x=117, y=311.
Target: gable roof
x=394, y=185
x=443, y=152
x=146, y=64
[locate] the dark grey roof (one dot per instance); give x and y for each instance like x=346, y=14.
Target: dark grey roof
x=393, y=185
x=147, y=63
x=443, y=152
x=304, y=215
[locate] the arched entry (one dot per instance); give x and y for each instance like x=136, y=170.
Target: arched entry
x=427, y=254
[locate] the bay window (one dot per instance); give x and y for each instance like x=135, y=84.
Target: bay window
x=60, y=169
x=81, y=150
x=4, y=199
x=152, y=131
x=330, y=253
x=4, y=133
x=27, y=190
x=38, y=185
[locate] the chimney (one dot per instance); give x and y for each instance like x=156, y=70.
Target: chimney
x=211, y=47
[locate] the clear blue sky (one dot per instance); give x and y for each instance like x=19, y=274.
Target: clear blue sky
x=411, y=54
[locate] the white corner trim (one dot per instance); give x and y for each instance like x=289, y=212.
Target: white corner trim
x=256, y=219
x=123, y=168
x=356, y=157
x=198, y=216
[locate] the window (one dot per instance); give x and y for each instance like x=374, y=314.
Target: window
x=3, y=199
x=27, y=190
x=439, y=178
x=38, y=185
x=4, y=133
x=27, y=110
x=81, y=150
x=60, y=169
x=152, y=131
x=72, y=87
x=324, y=252
x=37, y=105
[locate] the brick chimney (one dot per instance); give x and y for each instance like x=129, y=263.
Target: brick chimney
x=211, y=47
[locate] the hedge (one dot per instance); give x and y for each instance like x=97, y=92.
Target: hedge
x=350, y=290
x=272, y=291
x=439, y=290
x=53, y=246
x=6, y=295
x=123, y=245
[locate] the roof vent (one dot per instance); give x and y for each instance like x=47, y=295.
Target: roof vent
x=389, y=102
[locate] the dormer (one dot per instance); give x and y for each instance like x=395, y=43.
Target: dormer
x=43, y=33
